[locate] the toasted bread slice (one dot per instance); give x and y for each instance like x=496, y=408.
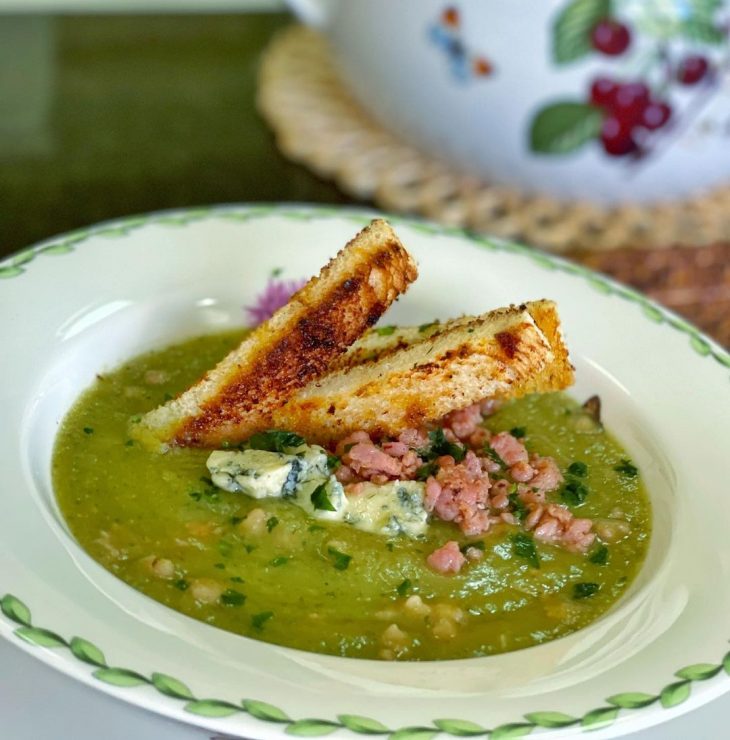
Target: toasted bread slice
x=297, y=344
x=503, y=354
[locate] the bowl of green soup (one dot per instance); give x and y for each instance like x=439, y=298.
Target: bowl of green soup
x=209, y=588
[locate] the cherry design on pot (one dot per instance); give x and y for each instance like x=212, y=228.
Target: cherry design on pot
x=464, y=63
x=665, y=73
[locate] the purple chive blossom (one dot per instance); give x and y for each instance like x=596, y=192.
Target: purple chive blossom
x=275, y=295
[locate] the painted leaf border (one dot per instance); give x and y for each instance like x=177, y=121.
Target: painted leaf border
x=672, y=695
x=16, y=265
x=15, y=611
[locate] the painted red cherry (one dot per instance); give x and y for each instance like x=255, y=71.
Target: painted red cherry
x=611, y=37
x=450, y=17
x=630, y=101
x=616, y=137
x=692, y=69
x=656, y=115
x=603, y=92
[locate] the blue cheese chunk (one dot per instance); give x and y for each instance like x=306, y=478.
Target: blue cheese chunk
x=389, y=509
x=257, y=473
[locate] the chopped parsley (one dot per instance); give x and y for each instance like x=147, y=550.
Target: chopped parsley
x=234, y=520
x=136, y=418
x=88, y=430
x=182, y=584
x=276, y=272
x=431, y=324
x=259, y=620
x=340, y=560
x=271, y=522
x=578, y=468
x=518, y=506
x=385, y=331
x=494, y=456
x=600, y=556
x=167, y=397
x=275, y=441
x=280, y=560
x=427, y=470
x=627, y=468
x=585, y=590
x=574, y=493
x=315, y=528
x=129, y=443
x=320, y=500
x=225, y=548
x=195, y=495
x=220, y=566
x=441, y=446
x=236, y=579
x=523, y=546
x=404, y=587
x=231, y=597
x=518, y=432
x=333, y=462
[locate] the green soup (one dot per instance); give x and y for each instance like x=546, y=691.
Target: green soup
x=156, y=522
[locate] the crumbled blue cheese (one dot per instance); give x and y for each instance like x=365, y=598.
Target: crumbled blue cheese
x=303, y=476
x=389, y=509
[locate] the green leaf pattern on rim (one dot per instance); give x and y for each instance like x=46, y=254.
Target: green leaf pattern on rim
x=17, y=612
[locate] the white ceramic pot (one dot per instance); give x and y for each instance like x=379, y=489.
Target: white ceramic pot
x=503, y=88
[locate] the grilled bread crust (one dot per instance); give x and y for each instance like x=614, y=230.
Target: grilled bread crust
x=296, y=345
x=503, y=354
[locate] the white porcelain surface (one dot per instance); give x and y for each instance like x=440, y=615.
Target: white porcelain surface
x=412, y=84
x=112, y=291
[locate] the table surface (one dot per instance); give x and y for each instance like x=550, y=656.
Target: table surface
x=103, y=116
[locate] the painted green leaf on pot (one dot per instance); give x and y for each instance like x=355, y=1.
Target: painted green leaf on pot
x=726, y=663
x=699, y=671
x=653, y=313
x=86, y=651
x=511, y=730
x=262, y=710
x=121, y=677
x=572, y=29
x=40, y=637
x=13, y=608
x=599, y=717
x=311, y=728
x=675, y=693
x=563, y=127
x=699, y=345
x=171, y=686
x=460, y=727
x=632, y=700
x=64, y=248
x=22, y=258
x=10, y=272
x=551, y=719
x=414, y=733
x=211, y=708
x=704, y=31
x=363, y=725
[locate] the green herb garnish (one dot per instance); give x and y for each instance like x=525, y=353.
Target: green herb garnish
x=518, y=432
x=404, y=587
x=234, y=520
x=274, y=440
x=231, y=597
x=220, y=566
x=182, y=584
x=427, y=470
x=271, y=522
x=574, y=493
x=600, y=556
x=494, y=456
x=578, y=468
x=236, y=579
x=584, y=590
x=195, y=495
x=627, y=468
x=340, y=560
x=384, y=331
x=523, y=546
x=320, y=499
x=333, y=462
x=259, y=620
x=518, y=507
x=88, y=430
x=280, y=560
x=225, y=548
x=315, y=528
x=426, y=327
x=129, y=443
x=276, y=272
x=441, y=446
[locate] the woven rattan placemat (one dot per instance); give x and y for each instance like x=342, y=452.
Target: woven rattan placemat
x=317, y=123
